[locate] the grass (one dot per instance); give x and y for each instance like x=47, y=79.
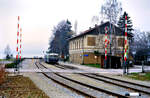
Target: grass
x=140, y=76
x=20, y=87
x=7, y=59
x=93, y=65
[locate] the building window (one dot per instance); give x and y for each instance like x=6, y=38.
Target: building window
x=91, y=41
x=120, y=42
x=76, y=44
x=73, y=45
x=70, y=46
x=79, y=44
x=113, y=43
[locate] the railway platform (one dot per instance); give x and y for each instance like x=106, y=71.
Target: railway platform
x=115, y=73
x=135, y=68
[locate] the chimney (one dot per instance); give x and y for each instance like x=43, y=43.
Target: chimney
x=102, y=22
x=95, y=25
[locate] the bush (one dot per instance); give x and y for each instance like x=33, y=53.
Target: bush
x=14, y=64
x=11, y=65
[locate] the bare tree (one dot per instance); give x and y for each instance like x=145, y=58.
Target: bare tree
x=7, y=52
x=111, y=10
x=95, y=20
x=140, y=41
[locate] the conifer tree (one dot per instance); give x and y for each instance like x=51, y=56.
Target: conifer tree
x=121, y=23
x=59, y=41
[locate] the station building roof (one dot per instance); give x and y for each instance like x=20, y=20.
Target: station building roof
x=100, y=29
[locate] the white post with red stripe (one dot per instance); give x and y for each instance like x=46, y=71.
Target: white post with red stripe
x=126, y=40
x=17, y=48
x=20, y=42
x=106, y=42
x=125, y=48
x=106, y=30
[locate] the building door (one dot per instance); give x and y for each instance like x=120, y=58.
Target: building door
x=115, y=62
x=102, y=61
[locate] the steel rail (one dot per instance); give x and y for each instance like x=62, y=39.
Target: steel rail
x=86, y=85
x=99, y=77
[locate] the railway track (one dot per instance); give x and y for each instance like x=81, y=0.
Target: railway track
x=125, y=84
x=85, y=89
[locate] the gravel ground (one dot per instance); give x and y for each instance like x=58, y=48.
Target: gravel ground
x=115, y=73
x=101, y=84
x=52, y=89
x=107, y=73
x=96, y=83
x=49, y=66
x=96, y=93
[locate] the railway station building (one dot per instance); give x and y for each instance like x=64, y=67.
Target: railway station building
x=88, y=47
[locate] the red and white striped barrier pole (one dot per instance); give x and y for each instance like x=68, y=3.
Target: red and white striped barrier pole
x=17, y=48
x=106, y=43
x=20, y=42
x=126, y=40
x=125, y=48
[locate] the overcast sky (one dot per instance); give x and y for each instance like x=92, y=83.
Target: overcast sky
x=38, y=17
